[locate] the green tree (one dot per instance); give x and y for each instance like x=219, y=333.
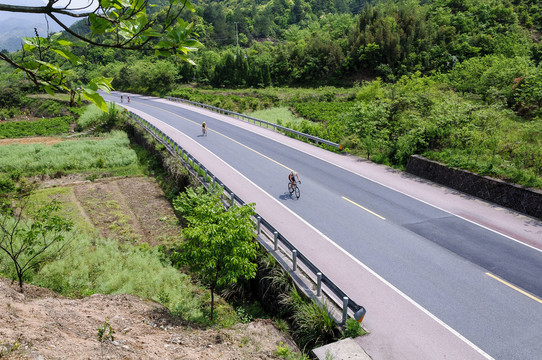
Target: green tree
x=368, y=120
x=30, y=237
x=219, y=244
x=120, y=24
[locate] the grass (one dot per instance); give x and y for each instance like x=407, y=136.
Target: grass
x=91, y=264
x=91, y=117
x=57, y=97
x=69, y=208
x=44, y=127
x=96, y=265
x=103, y=154
x=277, y=115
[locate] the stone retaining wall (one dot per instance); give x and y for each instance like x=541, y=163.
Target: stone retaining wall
x=524, y=200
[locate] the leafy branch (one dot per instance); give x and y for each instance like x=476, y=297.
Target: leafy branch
x=125, y=25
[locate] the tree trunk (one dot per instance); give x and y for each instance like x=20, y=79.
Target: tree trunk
x=20, y=282
x=72, y=97
x=212, y=301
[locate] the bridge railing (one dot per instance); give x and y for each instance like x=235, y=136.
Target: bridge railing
x=274, y=238
x=258, y=122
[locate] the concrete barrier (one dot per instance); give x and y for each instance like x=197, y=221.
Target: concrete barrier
x=525, y=200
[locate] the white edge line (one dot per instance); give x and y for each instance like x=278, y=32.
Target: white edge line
x=435, y=318
x=367, y=178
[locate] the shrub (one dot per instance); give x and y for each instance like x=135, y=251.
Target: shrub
x=49, y=108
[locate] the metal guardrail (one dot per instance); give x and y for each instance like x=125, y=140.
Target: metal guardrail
x=207, y=178
x=259, y=121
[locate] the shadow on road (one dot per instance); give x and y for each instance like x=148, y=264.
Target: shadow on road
x=287, y=196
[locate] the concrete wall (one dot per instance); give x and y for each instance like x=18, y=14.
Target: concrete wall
x=524, y=200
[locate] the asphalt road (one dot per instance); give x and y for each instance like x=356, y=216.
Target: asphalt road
x=448, y=265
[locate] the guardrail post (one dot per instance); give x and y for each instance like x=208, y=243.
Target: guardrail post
x=275, y=240
x=214, y=182
x=294, y=260
x=232, y=199
x=259, y=219
x=205, y=176
x=345, y=309
x=319, y=284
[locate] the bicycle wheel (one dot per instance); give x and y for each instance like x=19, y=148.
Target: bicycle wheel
x=297, y=192
x=290, y=190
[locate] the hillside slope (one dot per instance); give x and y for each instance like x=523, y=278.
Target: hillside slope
x=42, y=325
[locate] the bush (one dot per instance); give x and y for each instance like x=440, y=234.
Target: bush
x=49, y=108
x=7, y=184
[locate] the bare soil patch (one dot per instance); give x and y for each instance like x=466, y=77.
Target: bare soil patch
x=32, y=140
x=42, y=325
x=129, y=209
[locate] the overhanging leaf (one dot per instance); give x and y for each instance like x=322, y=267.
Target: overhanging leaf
x=68, y=55
x=96, y=98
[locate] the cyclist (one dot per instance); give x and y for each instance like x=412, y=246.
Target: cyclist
x=204, y=128
x=292, y=176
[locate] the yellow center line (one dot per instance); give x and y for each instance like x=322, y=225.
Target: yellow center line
x=364, y=208
x=227, y=137
x=514, y=287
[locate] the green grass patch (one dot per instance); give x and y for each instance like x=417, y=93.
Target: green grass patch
x=92, y=116
x=43, y=127
x=104, y=154
x=277, y=115
x=92, y=265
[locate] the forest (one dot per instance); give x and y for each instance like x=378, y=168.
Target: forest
x=458, y=81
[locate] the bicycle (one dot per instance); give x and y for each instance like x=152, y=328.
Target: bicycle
x=294, y=189
x=204, y=131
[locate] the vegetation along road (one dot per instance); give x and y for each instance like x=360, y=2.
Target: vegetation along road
x=482, y=284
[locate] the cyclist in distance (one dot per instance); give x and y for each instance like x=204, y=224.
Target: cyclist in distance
x=204, y=128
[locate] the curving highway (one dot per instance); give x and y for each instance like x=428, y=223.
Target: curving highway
x=471, y=268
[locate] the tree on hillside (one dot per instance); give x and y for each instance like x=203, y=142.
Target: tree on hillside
x=119, y=24
x=28, y=236
x=219, y=245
